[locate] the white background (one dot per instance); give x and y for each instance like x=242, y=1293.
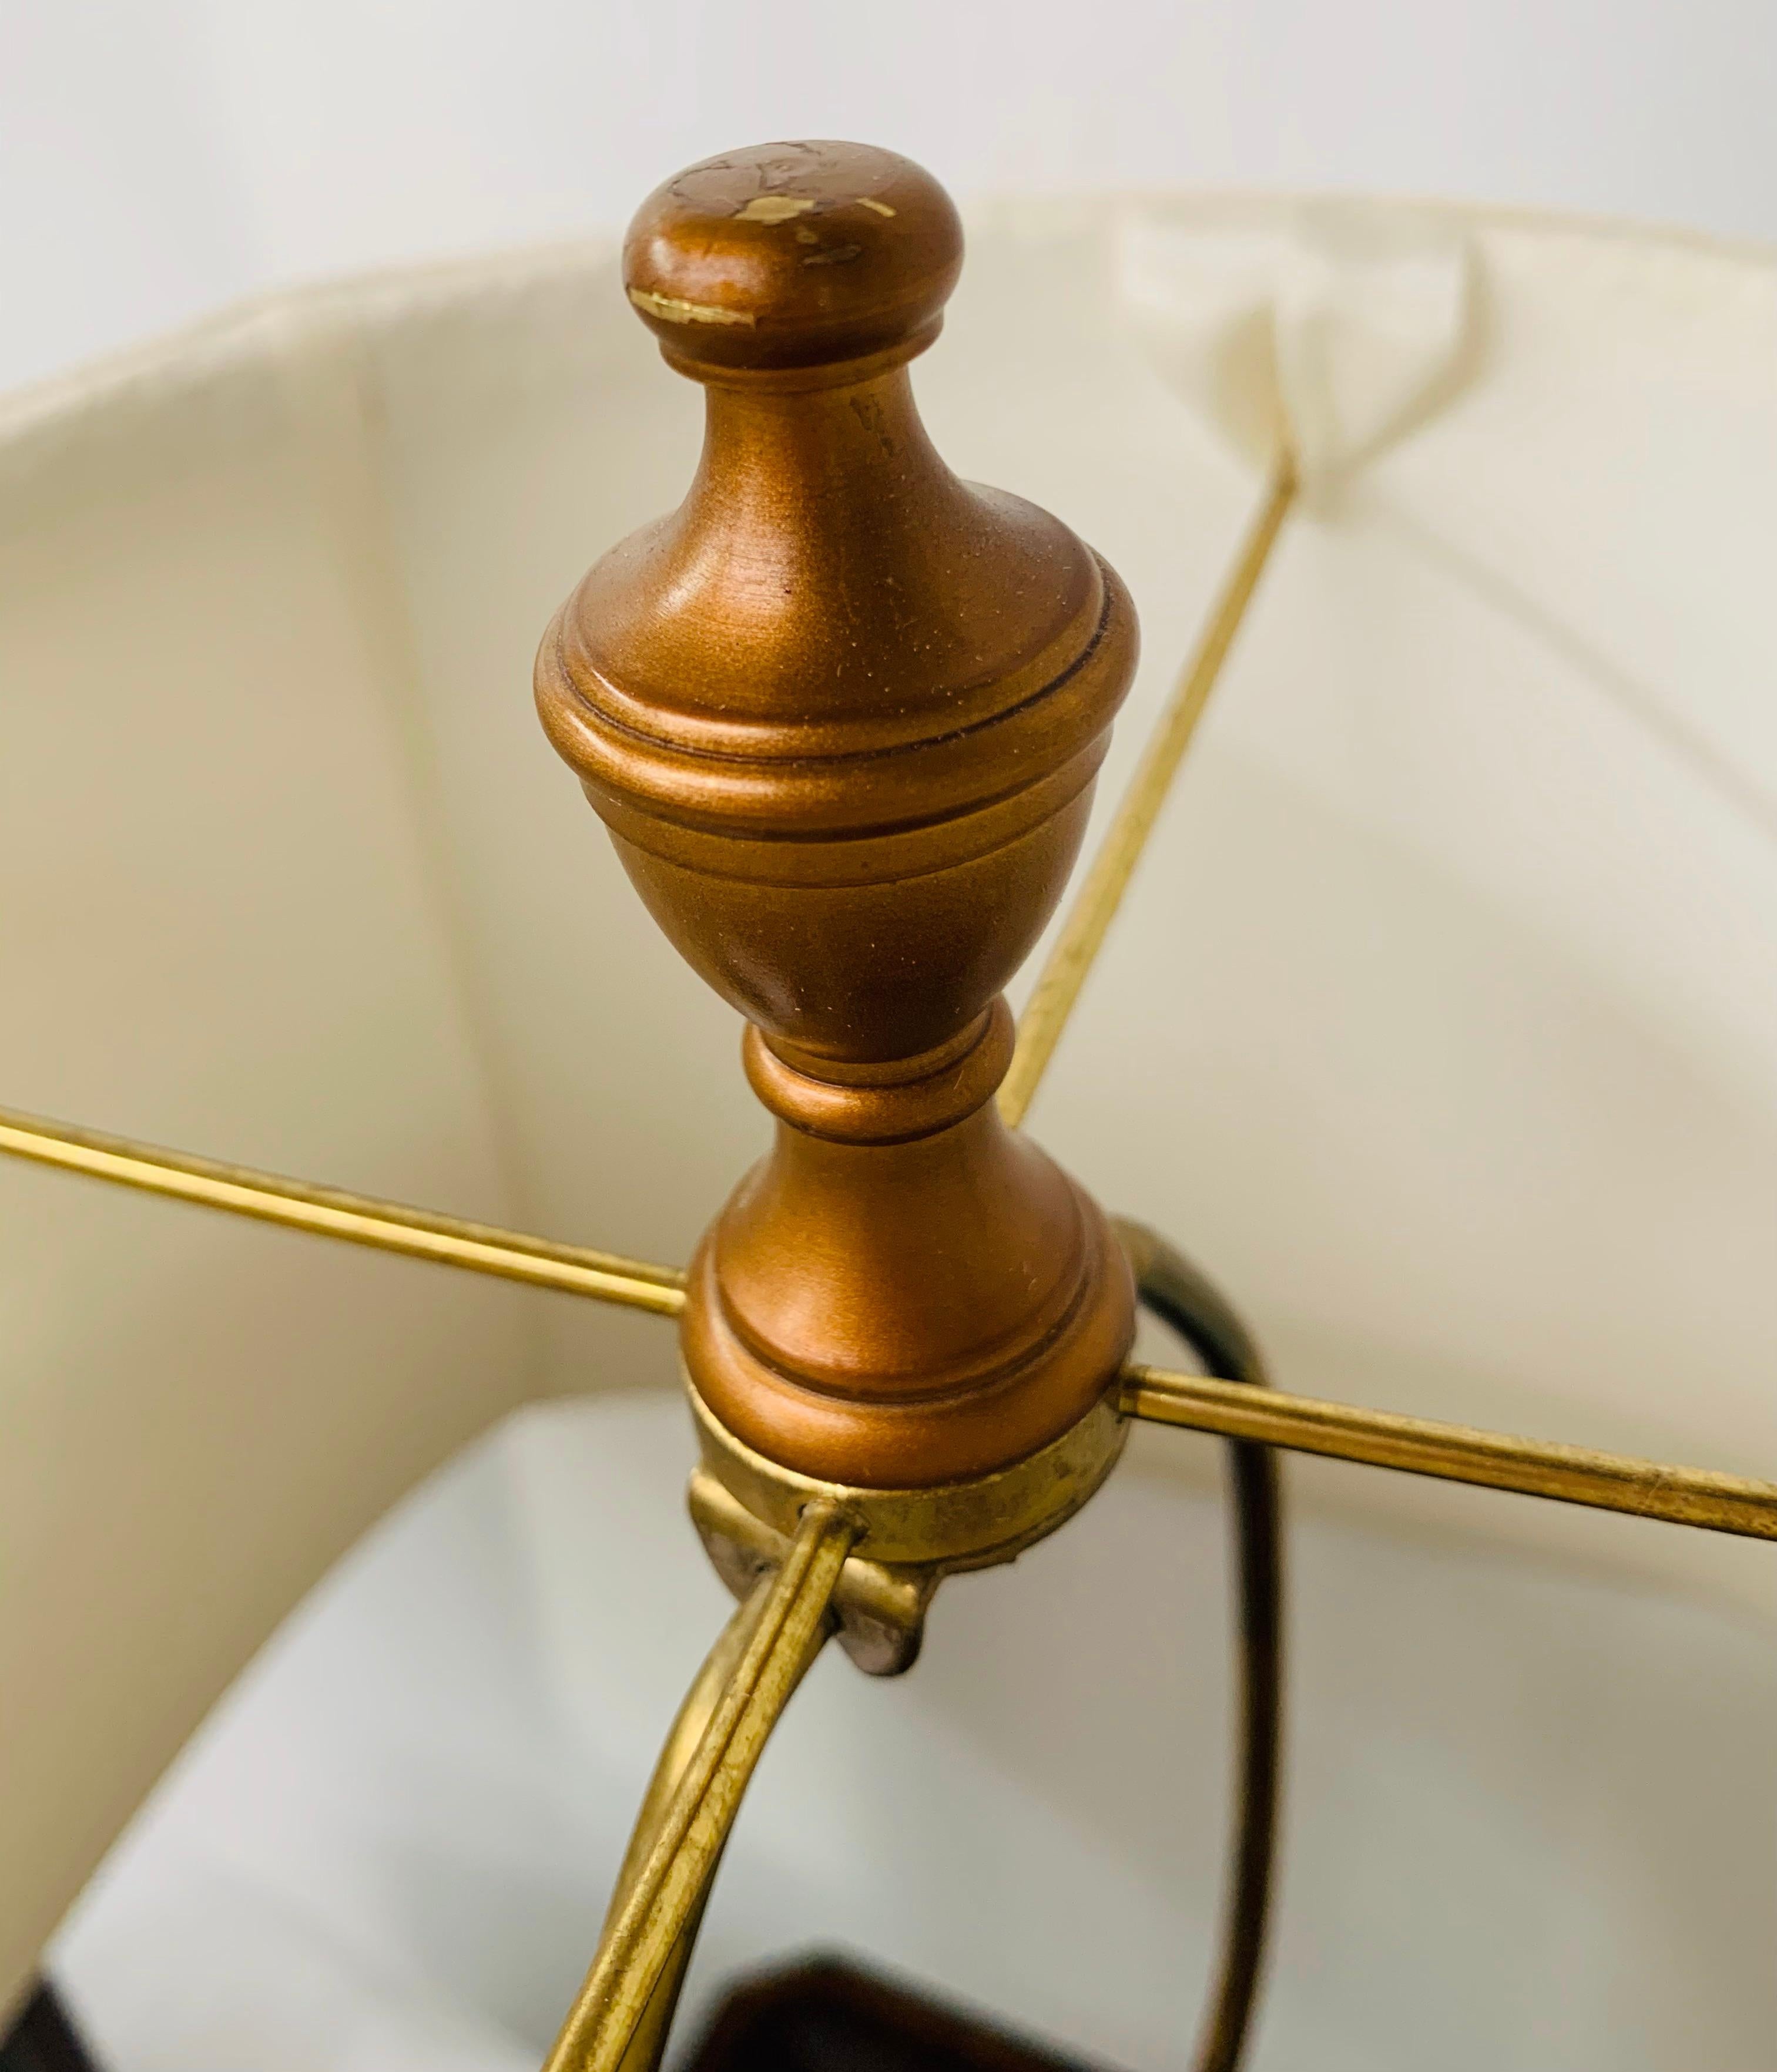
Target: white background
x=157, y=157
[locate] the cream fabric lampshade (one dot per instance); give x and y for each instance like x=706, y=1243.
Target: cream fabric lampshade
x=1441, y=1027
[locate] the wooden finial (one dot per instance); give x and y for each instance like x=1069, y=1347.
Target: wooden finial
x=841, y=714
x=793, y=255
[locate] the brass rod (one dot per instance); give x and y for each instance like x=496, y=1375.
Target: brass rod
x=1456, y=1453
x=667, y=1890
x=647, y=2043
x=331, y=1212
x=1095, y=903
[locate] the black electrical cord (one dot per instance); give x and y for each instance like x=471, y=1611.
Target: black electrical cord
x=1173, y=1290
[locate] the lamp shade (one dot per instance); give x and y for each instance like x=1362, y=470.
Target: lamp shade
x=1441, y=1023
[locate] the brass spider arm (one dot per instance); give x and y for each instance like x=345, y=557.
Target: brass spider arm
x=1094, y=908
x=619, y=2021
x=357, y=1218
x=1454, y=1453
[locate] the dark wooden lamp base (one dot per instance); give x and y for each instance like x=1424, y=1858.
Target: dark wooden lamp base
x=826, y=2014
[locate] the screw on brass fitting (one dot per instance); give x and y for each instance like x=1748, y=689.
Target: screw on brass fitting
x=841, y=714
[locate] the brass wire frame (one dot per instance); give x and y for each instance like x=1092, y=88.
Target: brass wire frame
x=270, y=1198
x=1094, y=906
x=1227, y=1408
x=619, y=2020
x=1454, y=1453
x=666, y=1876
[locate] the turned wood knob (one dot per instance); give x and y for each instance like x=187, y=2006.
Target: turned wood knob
x=793, y=255
x=841, y=714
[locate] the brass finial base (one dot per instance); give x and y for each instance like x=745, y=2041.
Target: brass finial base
x=746, y=1509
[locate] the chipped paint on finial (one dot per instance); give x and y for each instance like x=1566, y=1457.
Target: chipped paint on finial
x=773, y=208
x=674, y=309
